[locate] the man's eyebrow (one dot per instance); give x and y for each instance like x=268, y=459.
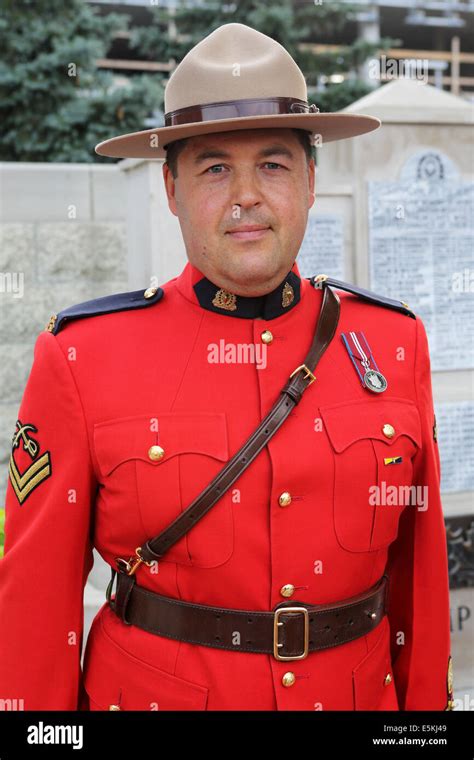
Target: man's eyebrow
x=276, y=150
x=210, y=153
x=271, y=150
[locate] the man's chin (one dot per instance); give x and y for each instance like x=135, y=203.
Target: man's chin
x=251, y=267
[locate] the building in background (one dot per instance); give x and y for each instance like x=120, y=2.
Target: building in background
x=438, y=33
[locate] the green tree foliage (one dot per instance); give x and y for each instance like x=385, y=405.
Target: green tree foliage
x=55, y=104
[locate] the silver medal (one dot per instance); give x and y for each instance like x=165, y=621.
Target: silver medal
x=373, y=379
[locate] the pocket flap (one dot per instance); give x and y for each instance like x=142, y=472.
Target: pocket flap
x=119, y=440
x=370, y=676
x=112, y=676
x=349, y=422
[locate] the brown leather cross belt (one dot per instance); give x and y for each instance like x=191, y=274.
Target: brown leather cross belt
x=289, y=632
x=292, y=629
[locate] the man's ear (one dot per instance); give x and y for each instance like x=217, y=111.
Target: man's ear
x=312, y=182
x=170, y=187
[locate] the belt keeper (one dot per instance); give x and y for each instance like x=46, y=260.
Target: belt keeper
x=387, y=586
x=292, y=392
x=125, y=584
x=108, y=592
x=155, y=556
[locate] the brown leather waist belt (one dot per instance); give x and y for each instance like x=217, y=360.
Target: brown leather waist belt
x=289, y=632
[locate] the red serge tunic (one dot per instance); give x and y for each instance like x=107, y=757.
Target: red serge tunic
x=196, y=380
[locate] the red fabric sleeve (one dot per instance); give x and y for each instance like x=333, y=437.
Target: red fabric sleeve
x=48, y=548
x=418, y=569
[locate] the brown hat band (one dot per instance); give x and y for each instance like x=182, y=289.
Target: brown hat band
x=231, y=109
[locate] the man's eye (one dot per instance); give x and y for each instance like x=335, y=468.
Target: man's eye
x=210, y=169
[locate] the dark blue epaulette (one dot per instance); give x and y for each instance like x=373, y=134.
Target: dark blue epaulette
x=136, y=299
x=366, y=295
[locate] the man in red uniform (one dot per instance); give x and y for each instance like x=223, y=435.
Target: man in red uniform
x=312, y=582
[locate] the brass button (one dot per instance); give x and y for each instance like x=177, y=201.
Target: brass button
x=267, y=336
x=155, y=453
x=388, y=679
x=287, y=590
x=284, y=499
x=388, y=430
x=114, y=707
x=288, y=679
x=150, y=292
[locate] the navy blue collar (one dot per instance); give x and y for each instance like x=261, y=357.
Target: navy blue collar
x=280, y=300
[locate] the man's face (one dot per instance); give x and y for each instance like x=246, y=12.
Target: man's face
x=232, y=180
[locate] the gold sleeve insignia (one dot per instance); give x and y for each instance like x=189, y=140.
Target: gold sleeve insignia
x=449, y=685
x=50, y=326
x=25, y=482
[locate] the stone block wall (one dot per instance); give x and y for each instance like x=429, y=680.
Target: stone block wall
x=62, y=241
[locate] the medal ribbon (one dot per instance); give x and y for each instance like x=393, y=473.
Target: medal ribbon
x=360, y=353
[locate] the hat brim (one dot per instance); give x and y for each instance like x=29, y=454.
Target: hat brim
x=328, y=126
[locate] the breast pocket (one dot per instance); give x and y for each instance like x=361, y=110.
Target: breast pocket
x=373, y=444
x=163, y=461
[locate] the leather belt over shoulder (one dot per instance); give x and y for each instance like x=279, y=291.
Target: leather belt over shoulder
x=292, y=629
x=289, y=632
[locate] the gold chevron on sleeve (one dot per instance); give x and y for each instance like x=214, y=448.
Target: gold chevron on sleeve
x=450, y=685
x=24, y=483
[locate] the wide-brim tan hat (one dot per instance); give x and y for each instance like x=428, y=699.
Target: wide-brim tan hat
x=236, y=78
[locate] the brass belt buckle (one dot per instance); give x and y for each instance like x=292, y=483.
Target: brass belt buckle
x=302, y=611
x=307, y=371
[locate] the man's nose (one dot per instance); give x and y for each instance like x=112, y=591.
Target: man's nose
x=245, y=189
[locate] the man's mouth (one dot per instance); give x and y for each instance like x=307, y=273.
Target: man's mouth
x=248, y=232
